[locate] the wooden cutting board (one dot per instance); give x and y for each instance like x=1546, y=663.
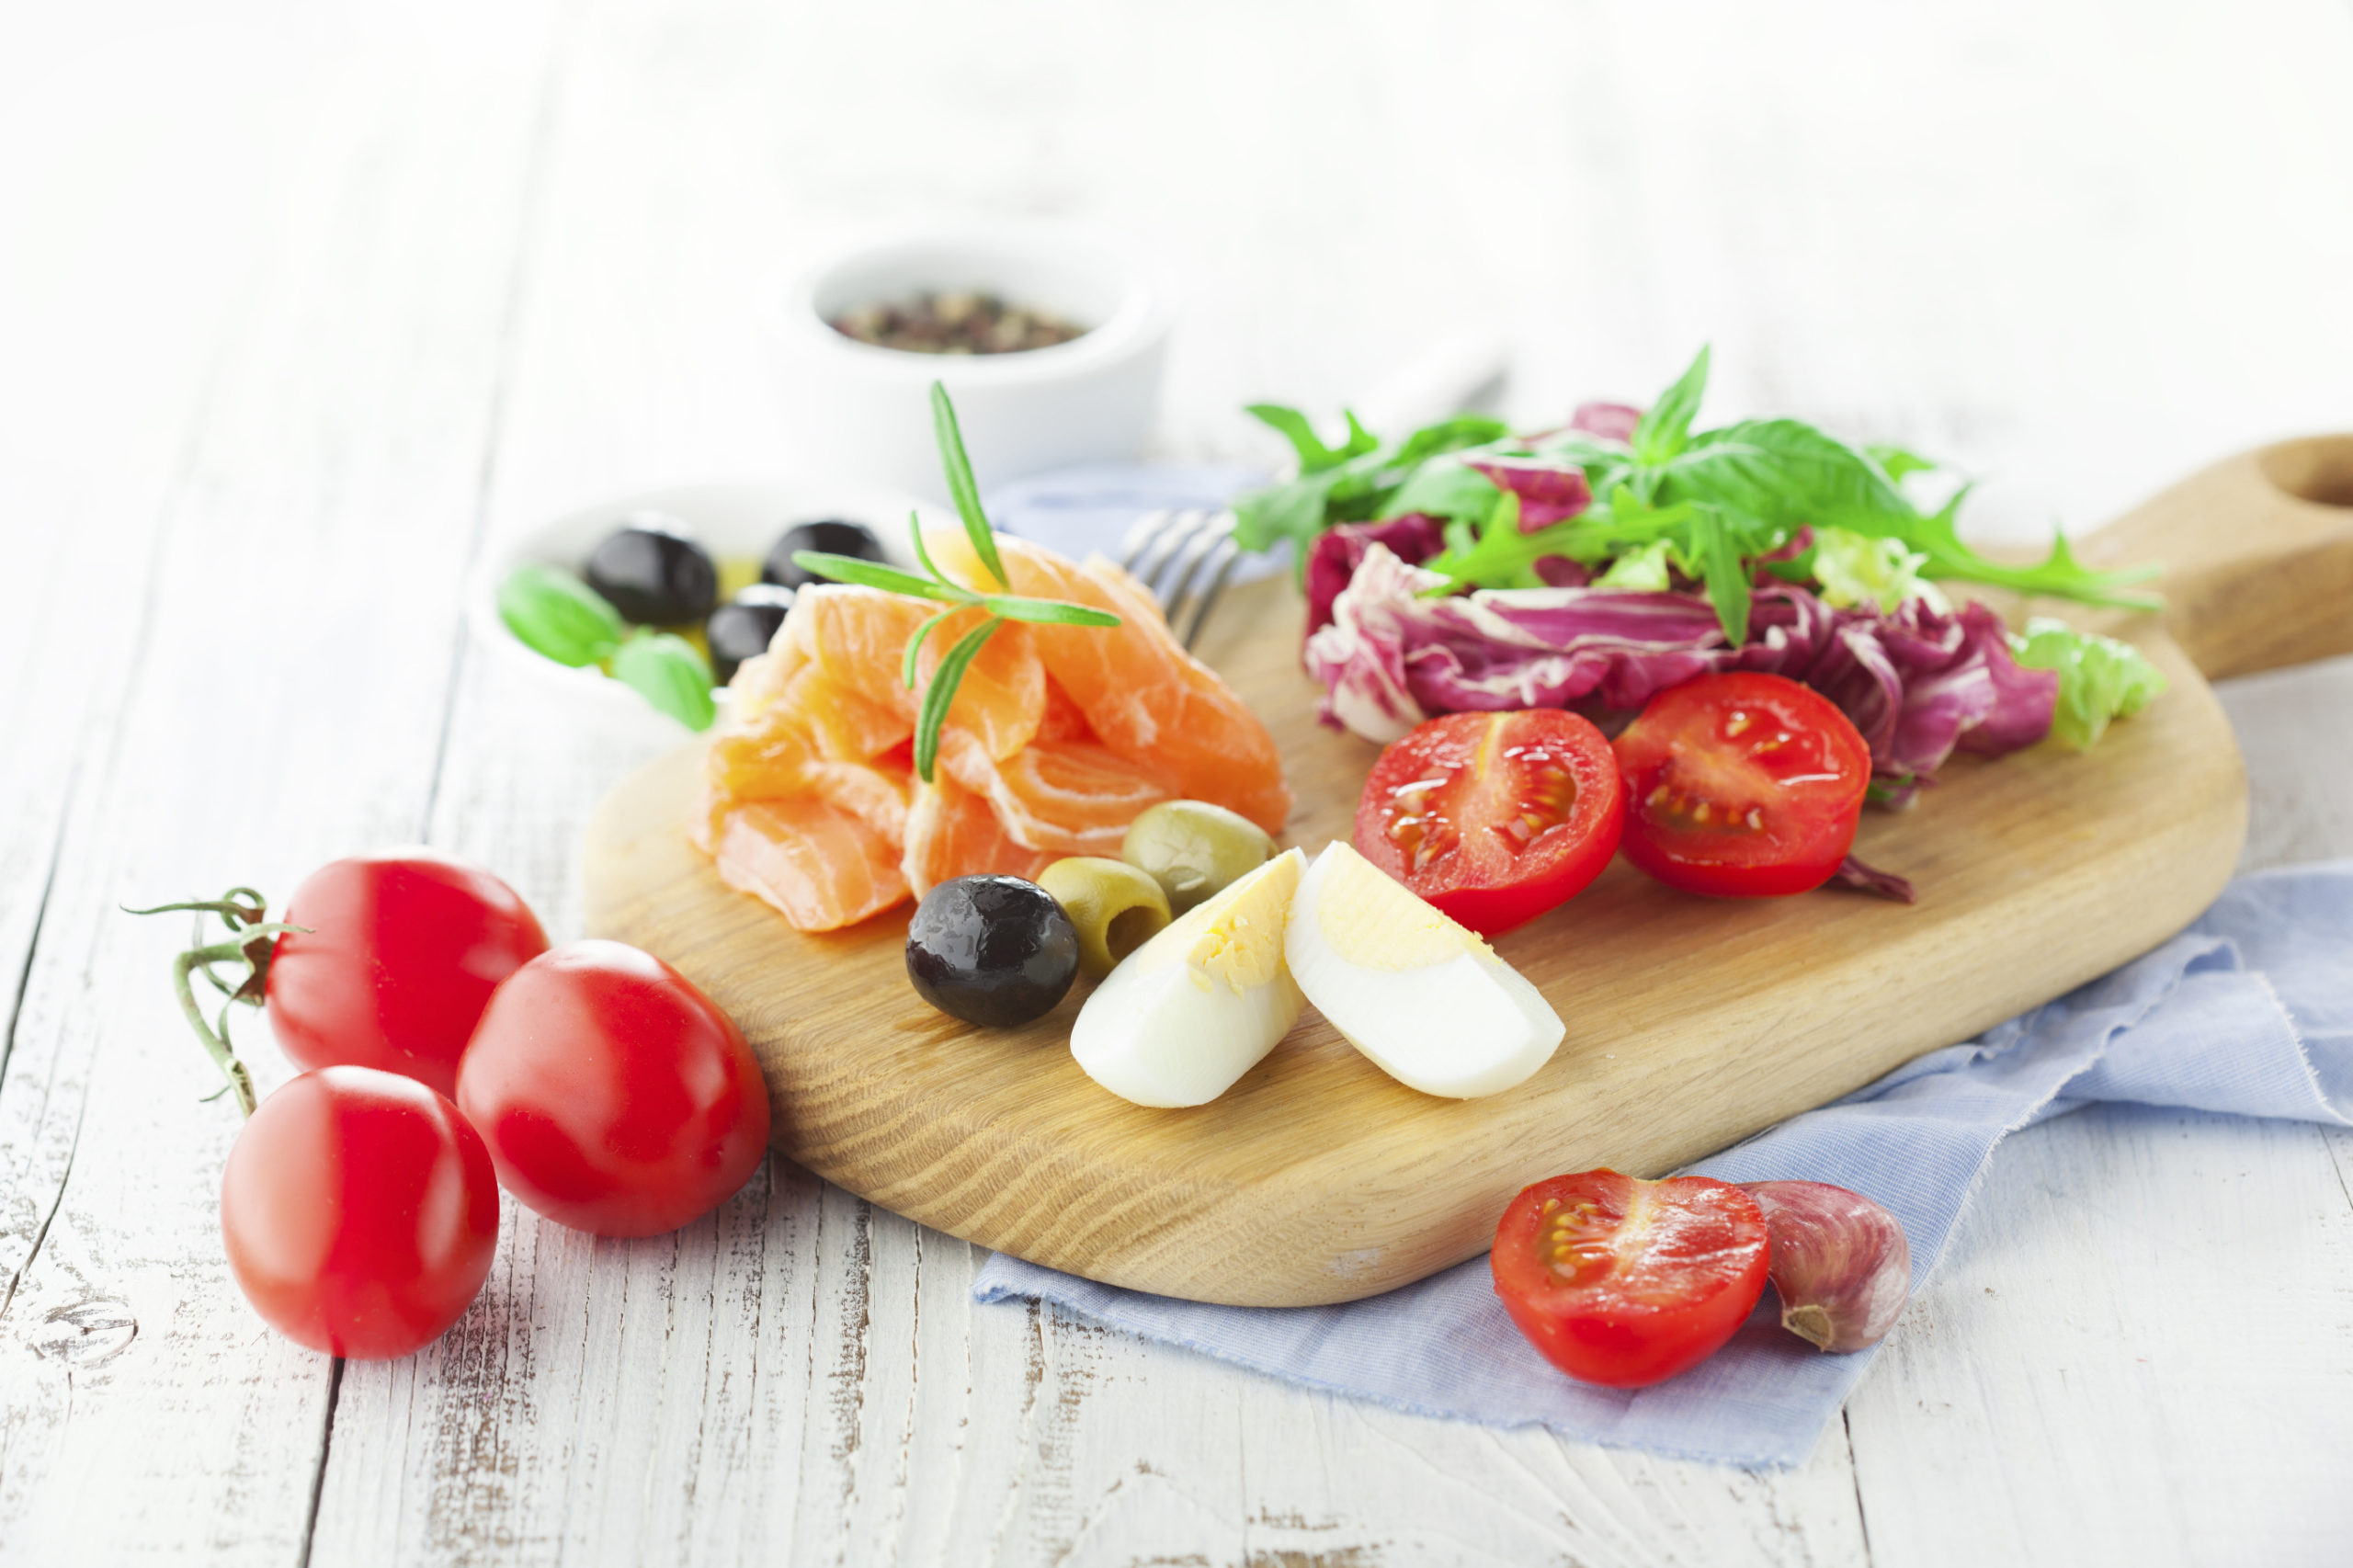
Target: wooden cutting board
x=1691, y=1023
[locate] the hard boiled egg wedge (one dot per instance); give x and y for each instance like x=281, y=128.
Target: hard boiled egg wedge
x=1202, y=1002
x=1425, y=998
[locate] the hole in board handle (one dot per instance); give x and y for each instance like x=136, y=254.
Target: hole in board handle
x=2318, y=468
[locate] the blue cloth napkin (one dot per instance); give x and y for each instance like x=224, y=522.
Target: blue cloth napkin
x=2250, y=1011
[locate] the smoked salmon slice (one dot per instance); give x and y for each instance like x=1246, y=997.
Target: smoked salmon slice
x=819, y=866
x=1057, y=737
x=951, y=832
x=1141, y=694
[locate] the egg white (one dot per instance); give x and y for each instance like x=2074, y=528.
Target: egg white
x=1186, y=1014
x=1427, y=1001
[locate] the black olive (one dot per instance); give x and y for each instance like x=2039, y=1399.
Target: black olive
x=743, y=626
x=652, y=572
x=992, y=949
x=833, y=535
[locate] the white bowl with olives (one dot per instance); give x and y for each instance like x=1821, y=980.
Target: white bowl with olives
x=1049, y=336
x=648, y=602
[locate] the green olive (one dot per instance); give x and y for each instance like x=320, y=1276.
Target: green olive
x=1194, y=849
x=1115, y=907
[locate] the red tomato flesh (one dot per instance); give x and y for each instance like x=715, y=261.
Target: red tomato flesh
x=401, y=952
x=1742, y=785
x=1627, y=1283
x=1494, y=818
x=359, y=1212
x=615, y=1096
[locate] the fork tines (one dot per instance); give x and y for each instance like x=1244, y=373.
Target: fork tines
x=1168, y=551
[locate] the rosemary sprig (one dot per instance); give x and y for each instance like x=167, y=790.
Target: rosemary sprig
x=936, y=587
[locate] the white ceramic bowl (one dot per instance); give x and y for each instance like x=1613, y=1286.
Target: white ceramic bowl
x=859, y=410
x=742, y=519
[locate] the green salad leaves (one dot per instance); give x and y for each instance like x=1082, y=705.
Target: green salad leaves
x=1716, y=505
x=2099, y=678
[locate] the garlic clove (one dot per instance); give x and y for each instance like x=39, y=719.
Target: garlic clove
x=1839, y=1262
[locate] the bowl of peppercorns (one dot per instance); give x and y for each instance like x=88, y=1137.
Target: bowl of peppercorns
x=1050, y=337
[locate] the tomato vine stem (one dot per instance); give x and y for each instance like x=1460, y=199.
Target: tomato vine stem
x=251, y=942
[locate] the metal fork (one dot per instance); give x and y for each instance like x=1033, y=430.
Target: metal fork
x=1168, y=551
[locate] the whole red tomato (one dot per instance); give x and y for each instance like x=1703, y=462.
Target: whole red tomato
x=401, y=952
x=1494, y=817
x=1625, y=1282
x=1742, y=785
x=359, y=1212
x=615, y=1096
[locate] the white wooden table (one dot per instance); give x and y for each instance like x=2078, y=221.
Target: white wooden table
x=301, y=303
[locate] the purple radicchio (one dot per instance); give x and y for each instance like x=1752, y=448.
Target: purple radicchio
x=1548, y=493
x=1918, y=682
x=1333, y=559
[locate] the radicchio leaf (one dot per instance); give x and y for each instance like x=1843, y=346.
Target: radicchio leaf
x=1332, y=560
x=1917, y=683
x=1548, y=493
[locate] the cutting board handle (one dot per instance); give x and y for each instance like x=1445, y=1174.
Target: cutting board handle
x=2258, y=556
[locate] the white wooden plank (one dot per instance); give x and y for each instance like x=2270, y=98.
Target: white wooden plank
x=2133, y=1353
x=288, y=680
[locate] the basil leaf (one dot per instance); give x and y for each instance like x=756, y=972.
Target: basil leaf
x=1046, y=612
x=1896, y=462
x=2099, y=677
x=667, y=671
x=941, y=692
x=555, y=614
x=961, y=487
x=874, y=574
x=1727, y=580
x=1666, y=424
x=1782, y=473
x=1314, y=457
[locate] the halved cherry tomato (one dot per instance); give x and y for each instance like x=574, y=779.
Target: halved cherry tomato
x=1742, y=785
x=1625, y=1282
x=359, y=1212
x=615, y=1096
x=1494, y=817
x=401, y=952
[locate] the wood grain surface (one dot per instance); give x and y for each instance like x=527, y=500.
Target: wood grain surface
x=1692, y=1022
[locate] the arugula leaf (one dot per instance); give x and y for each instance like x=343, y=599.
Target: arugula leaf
x=1443, y=490
x=1666, y=424
x=1314, y=457
x=1726, y=578
x=2099, y=677
x=941, y=692
x=2059, y=575
x=966, y=494
x=1455, y=433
